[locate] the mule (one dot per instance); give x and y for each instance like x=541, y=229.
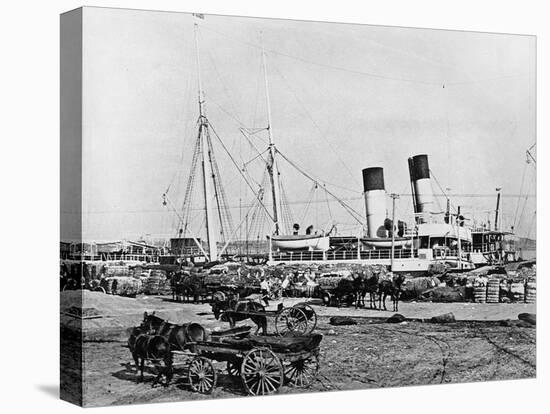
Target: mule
x=154, y=348
x=233, y=311
x=366, y=283
x=178, y=336
x=393, y=289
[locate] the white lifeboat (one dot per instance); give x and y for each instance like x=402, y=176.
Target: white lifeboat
x=300, y=242
x=386, y=242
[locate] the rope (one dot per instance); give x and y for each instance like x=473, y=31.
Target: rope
x=521, y=192
x=325, y=65
x=346, y=167
x=346, y=207
x=237, y=166
x=310, y=198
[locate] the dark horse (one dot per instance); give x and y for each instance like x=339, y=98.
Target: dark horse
x=233, y=311
x=363, y=283
x=154, y=348
x=178, y=336
x=390, y=287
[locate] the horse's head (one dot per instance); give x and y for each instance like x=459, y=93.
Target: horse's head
x=218, y=306
x=398, y=280
x=151, y=323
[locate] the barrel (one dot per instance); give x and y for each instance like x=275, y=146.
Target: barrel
x=530, y=292
x=493, y=290
x=480, y=294
x=517, y=289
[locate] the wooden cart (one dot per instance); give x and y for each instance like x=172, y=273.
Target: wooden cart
x=300, y=319
x=263, y=368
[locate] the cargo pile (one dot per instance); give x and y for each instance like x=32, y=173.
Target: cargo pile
x=157, y=283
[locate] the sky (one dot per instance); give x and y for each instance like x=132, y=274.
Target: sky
x=343, y=97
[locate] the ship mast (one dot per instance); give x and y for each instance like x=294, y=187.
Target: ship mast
x=271, y=163
x=206, y=162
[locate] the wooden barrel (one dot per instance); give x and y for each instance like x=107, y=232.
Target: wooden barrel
x=480, y=294
x=530, y=292
x=493, y=291
x=517, y=289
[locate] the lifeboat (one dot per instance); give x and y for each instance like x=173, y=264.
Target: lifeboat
x=300, y=242
x=386, y=242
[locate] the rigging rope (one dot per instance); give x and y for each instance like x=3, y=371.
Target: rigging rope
x=346, y=207
x=237, y=166
x=334, y=150
x=310, y=198
x=521, y=193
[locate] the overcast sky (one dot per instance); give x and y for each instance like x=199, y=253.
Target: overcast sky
x=344, y=97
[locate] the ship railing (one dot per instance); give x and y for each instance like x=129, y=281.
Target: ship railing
x=438, y=254
x=483, y=248
x=381, y=254
x=102, y=257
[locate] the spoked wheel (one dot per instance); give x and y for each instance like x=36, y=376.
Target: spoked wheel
x=291, y=321
x=261, y=372
x=233, y=369
x=301, y=373
x=311, y=316
x=202, y=375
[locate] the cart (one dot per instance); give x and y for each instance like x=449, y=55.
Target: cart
x=263, y=363
x=300, y=319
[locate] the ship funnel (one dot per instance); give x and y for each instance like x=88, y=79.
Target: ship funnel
x=421, y=184
x=375, y=201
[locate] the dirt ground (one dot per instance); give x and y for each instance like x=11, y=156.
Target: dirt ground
x=370, y=354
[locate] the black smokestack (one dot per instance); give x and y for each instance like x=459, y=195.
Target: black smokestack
x=419, y=167
x=373, y=179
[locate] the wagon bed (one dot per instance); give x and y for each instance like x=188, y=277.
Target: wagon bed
x=263, y=363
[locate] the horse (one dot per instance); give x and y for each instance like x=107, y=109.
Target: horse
x=178, y=336
x=154, y=348
x=233, y=311
x=363, y=283
x=390, y=287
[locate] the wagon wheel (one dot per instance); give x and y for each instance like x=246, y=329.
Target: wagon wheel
x=312, y=319
x=261, y=372
x=291, y=320
x=302, y=372
x=201, y=375
x=233, y=369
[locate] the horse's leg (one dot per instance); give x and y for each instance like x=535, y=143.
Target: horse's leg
x=134, y=355
x=158, y=368
x=264, y=325
x=141, y=369
x=169, y=370
x=396, y=304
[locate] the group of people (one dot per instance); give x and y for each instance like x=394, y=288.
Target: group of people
x=293, y=283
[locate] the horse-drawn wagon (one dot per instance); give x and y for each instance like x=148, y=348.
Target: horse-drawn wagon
x=336, y=288
x=299, y=319
x=263, y=363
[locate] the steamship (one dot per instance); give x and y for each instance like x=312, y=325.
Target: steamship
x=402, y=246
x=405, y=247
x=431, y=239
